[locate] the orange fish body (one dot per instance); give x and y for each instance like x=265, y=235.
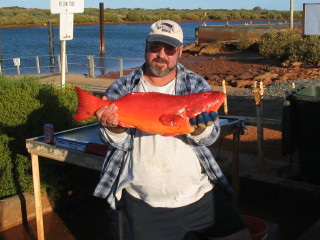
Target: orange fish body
x=152, y=112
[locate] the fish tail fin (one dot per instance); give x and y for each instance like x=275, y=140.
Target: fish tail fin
x=88, y=104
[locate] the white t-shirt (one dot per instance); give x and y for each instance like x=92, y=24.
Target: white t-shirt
x=162, y=171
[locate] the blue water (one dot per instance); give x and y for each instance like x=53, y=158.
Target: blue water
x=121, y=41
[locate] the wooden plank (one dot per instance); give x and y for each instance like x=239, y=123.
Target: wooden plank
x=37, y=195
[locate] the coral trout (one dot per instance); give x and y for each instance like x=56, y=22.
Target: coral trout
x=152, y=112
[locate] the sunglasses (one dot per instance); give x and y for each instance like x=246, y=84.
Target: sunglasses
x=169, y=50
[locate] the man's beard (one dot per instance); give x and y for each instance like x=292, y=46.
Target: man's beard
x=157, y=70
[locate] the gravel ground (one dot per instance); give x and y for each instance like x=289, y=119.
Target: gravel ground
x=277, y=90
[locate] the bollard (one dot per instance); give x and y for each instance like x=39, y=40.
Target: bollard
x=91, y=66
x=38, y=64
x=121, y=67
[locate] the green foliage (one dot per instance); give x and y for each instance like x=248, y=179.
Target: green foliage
x=85, y=18
x=244, y=42
x=277, y=44
x=112, y=17
x=305, y=50
x=25, y=106
x=23, y=16
x=290, y=45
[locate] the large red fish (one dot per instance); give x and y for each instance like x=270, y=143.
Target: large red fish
x=152, y=112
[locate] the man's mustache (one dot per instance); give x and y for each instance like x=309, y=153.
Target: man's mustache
x=160, y=60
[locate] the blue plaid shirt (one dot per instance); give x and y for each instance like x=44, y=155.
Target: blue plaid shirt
x=186, y=82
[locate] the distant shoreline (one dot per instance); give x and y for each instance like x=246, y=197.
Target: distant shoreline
x=143, y=22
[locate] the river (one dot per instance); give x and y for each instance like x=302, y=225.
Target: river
x=121, y=41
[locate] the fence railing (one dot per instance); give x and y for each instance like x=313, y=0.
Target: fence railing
x=75, y=63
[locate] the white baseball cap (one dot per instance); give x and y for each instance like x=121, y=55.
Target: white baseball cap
x=166, y=31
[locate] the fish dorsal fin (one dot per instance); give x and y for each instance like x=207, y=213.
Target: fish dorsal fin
x=173, y=120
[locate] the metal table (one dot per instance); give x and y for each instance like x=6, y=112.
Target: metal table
x=37, y=147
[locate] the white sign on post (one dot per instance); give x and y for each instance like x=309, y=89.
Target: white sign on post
x=311, y=23
x=66, y=9
x=66, y=6
x=66, y=26
x=16, y=62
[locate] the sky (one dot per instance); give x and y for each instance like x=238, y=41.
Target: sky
x=173, y=4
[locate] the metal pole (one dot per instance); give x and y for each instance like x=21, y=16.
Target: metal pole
x=59, y=62
x=51, y=46
x=63, y=63
x=291, y=13
x=102, y=49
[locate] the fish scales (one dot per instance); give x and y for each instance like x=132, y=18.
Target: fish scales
x=152, y=112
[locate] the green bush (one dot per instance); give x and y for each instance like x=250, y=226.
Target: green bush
x=244, y=42
x=305, y=50
x=290, y=45
x=277, y=44
x=25, y=106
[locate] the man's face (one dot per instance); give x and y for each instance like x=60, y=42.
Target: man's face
x=161, y=58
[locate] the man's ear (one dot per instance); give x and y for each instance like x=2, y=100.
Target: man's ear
x=180, y=51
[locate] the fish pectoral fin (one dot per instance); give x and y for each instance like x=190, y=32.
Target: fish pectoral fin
x=122, y=124
x=173, y=120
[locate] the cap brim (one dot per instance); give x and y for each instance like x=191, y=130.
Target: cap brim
x=162, y=38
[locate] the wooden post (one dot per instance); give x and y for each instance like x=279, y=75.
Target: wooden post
x=225, y=103
x=51, y=46
x=102, y=49
x=121, y=67
x=258, y=94
x=37, y=195
x=235, y=168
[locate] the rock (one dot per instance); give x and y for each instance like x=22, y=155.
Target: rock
x=189, y=46
x=209, y=49
x=213, y=77
x=286, y=76
x=241, y=83
x=245, y=76
x=229, y=78
x=285, y=63
x=296, y=64
x=266, y=77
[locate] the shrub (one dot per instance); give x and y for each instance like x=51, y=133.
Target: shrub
x=244, y=42
x=290, y=45
x=277, y=44
x=305, y=50
x=25, y=106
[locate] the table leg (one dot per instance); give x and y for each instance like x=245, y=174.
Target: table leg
x=235, y=168
x=37, y=195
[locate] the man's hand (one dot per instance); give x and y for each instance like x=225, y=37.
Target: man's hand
x=202, y=121
x=107, y=116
